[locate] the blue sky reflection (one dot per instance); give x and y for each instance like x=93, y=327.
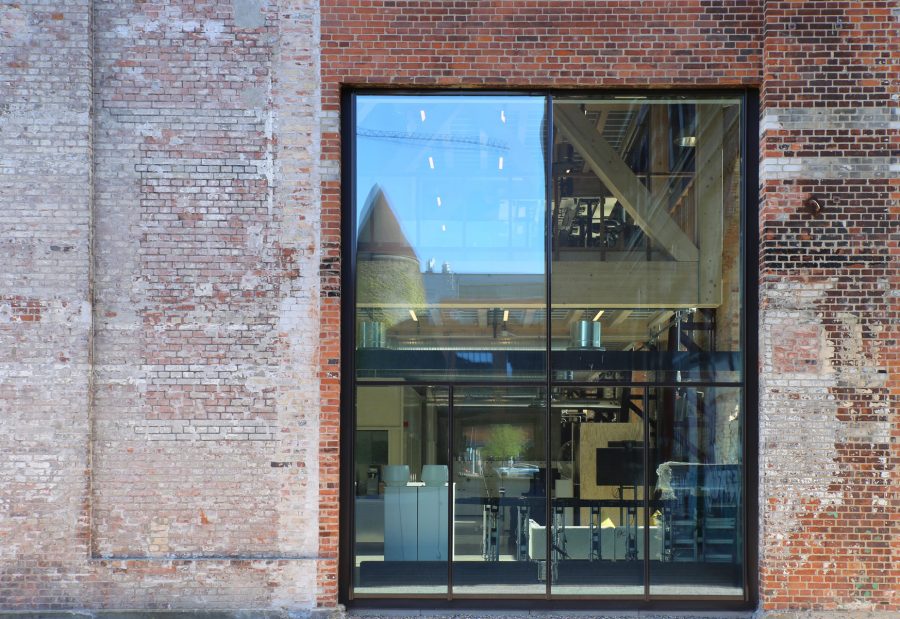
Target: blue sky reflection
x=463, y=174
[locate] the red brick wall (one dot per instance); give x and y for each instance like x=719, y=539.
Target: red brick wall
x=829, y=425
x=829, y=323
x=510, y=44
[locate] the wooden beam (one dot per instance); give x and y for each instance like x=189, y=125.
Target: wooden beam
x=659, y=149
x=620, y=318
x=626, y=336
x=460, y=333
x=648, y=211
x=629, y=285
x=601, y=125
x=576, y=285
x=710, y=201
x=468, y=332
x=658, y=320
x=529, y=317
x=446, y=304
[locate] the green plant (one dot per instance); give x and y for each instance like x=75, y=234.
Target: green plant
x=504, y=443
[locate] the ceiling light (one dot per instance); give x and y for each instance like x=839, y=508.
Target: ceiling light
x=412, y=315
x=687, y=141
x=500, y=164
x=438, y=200
x=597, y=317
x=505, y=315
x=431, y=162
x=443, y=228
x=502, y=116
x=422, y=115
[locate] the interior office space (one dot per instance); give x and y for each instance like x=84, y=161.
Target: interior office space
x=548, y=351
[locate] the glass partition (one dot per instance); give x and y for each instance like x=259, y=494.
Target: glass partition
x=401, y=489
x=499, y=474
x=699, y=490
x=598, y=504
x=646, y=269
x=548, y=358
x=450, y=219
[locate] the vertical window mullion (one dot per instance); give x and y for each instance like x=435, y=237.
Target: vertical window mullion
x=451, y=495
x=548, y=248
x=646, y=494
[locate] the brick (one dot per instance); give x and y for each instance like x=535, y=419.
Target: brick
x=170, y=297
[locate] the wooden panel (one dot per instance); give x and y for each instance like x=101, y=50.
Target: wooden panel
x=625, y=284
x=710, y=199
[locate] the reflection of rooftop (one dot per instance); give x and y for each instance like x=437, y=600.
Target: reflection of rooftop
x=380, y=233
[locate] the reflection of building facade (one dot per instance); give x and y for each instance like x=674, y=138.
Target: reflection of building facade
x=546, y=381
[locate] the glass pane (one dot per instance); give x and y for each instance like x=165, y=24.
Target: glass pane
x=451, y=218
x=646, y=265
x=499, y=465
x=401, y=476
x=698, y=459
x=598, y=503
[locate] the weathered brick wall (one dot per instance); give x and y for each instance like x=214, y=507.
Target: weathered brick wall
x=829, y=321
x=178, y=470
x=45, y=312
x=193, y=461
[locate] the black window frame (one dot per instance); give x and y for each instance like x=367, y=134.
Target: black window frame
x=749, y=203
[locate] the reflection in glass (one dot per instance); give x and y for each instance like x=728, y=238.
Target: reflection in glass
x=598, y=507
x=642, y=459
x=698, y=459
x=401, y=477
x=450, y=259
x=499, y=465
x=646, y=238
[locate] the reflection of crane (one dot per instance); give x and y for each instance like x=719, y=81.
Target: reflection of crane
x=454, y=141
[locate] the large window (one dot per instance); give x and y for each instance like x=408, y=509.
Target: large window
x=548, y=393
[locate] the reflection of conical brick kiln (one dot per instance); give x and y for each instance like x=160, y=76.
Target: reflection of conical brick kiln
x=389, y=282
